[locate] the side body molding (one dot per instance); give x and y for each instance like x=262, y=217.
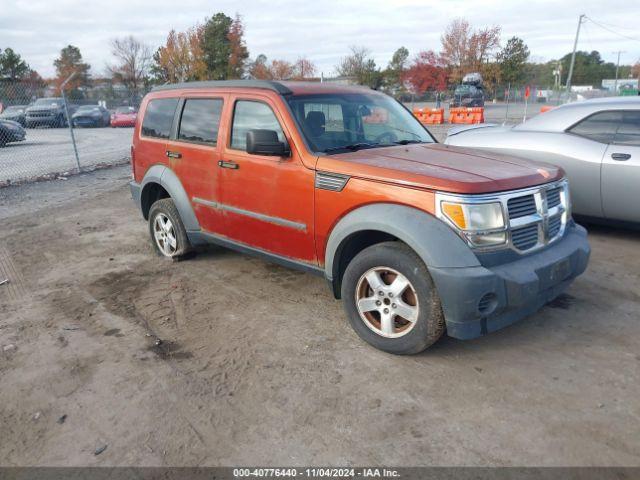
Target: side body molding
x=171, y=183
x=437, y=245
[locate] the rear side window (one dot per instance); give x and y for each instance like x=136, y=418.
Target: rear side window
x=628, y=132
x=250, y=115
x=200, y=120
x=600, y=127
x=158, y=117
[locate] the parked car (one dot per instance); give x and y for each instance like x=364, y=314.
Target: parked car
x=47, y=112
x=91, y=116
x=15, y=113
x=469, y=93
x=124, y=117
x=344, y=182
x=597, y=142
x=11, y=131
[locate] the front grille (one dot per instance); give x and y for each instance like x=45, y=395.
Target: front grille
x=553, y=198
x=537, y=217
x=555, y=224
x=521, y=206
x=40, y=114
x=534, y=217
x=525, y=238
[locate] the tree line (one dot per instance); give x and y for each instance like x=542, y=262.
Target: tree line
x=215, y=49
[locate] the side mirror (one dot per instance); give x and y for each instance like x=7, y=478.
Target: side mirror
x=265, y=142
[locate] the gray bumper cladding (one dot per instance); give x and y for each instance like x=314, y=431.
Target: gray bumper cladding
x=479, y=300
x=135, y=192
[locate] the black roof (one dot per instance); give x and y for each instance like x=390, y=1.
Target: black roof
x=264, y=84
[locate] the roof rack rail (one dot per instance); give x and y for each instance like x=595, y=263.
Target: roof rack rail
x=263, y=84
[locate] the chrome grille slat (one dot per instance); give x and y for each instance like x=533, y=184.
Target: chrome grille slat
x=553, y=197
x=521, y=206
x=525, y=238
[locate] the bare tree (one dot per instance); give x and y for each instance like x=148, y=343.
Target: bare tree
x=133, y=59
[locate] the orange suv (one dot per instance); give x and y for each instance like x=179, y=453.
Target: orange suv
x=416, y=237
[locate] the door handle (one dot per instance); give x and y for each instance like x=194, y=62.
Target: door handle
x=620, y=156
x=171, y=154
x=232, y=165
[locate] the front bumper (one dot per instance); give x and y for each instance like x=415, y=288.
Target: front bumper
x=51, y=119
x=478, y=300
x=86, y=121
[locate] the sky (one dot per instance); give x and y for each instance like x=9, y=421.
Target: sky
x=319, y=30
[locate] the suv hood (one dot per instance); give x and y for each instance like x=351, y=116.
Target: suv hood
x=441, y=167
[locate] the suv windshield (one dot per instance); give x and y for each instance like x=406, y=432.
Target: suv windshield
x=88, y=108
x=340, y=122
x=462, y=90
x=125, y=110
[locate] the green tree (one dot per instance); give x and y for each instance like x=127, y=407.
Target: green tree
x=541, y=74
x=512, y=60
x=216, y=46
x=589, y=68
x=70, y=61
x=12, y=66
x=394, y=74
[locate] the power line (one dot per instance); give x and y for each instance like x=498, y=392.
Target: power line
x=619, y=26
x=635, y=39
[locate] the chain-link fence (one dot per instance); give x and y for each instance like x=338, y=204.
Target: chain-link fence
x=38, y=126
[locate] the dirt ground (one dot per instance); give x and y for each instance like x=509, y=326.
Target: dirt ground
x=258, y=365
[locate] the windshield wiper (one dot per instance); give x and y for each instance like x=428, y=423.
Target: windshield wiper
x=407, y=142
x=352, y=147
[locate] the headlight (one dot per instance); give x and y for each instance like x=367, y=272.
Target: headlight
x=480, y=224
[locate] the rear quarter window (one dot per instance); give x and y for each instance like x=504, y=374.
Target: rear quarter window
x=600, y=127
x=158, y=117
x=628, y=132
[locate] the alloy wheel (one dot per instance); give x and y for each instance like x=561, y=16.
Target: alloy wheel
x=165, y=235
x=387, y=302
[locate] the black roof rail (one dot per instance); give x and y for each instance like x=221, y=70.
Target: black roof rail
x=264, y=84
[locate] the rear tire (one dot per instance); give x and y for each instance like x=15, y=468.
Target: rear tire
x=168, y=235
x=390, y=299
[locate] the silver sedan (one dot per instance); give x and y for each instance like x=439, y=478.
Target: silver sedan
x=597, y=143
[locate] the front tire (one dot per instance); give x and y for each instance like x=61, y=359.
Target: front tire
x=168, y=234
x=390, y=299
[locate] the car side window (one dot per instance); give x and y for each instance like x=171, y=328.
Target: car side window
x=628, y=132
x=200, y=120
x=250, y=115
x=600, y=127
x=158, y=117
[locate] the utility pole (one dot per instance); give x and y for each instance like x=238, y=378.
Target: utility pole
x=573, y=55
x=615, y=85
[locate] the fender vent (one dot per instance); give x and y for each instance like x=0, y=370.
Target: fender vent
x=331, y=181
